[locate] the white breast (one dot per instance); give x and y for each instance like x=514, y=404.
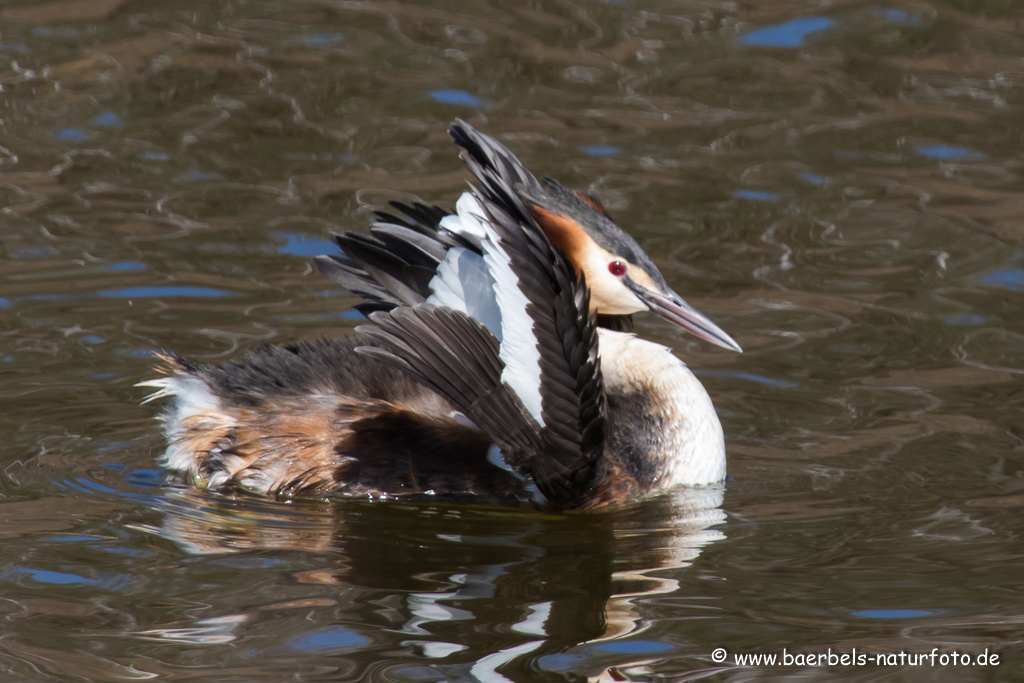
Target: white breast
x=693, y=446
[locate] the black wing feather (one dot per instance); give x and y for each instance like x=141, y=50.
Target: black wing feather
x=471, y=382
x=572, y=391
x=353, y=277
x=484, y=152
x=393, y=265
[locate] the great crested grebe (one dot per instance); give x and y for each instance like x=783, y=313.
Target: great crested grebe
x=487, y=376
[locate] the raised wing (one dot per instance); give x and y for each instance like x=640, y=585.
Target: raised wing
x=394, y=264
x=529, y=376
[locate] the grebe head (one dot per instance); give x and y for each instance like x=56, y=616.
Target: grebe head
x=622, y=277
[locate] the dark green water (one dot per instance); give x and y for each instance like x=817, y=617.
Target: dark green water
x=839, y=185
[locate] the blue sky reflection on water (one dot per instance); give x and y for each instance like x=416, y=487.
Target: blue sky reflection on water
x=1009, y=276
x=198, y=176
x=333, y=639
x=757, y=195
x=791, y=34
x=747, y=376
x=154, y=292
x=949, y=152
x=33, y=252
x=322, y=39
x=9, y=46
x=459, y=97
x=73, y=135
x=108, y=119
x=633, y=646
x=967, y=319
x=896, y=613
x=812, y=178
x=894, y=15
x=104, y=580
x=301, y=244
x=600, y=150
x=132, y=266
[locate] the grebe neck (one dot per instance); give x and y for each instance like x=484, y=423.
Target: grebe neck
x=662, y=427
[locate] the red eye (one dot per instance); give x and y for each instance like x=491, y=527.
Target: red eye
x=617, y=268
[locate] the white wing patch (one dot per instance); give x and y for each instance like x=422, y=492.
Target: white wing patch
x=518, y=349
x=487, y=289
x=463, y=283
x=468, y=219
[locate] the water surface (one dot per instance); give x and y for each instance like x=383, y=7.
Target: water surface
x=838, y=185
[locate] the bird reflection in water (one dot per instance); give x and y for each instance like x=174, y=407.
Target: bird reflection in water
x=424, y=578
